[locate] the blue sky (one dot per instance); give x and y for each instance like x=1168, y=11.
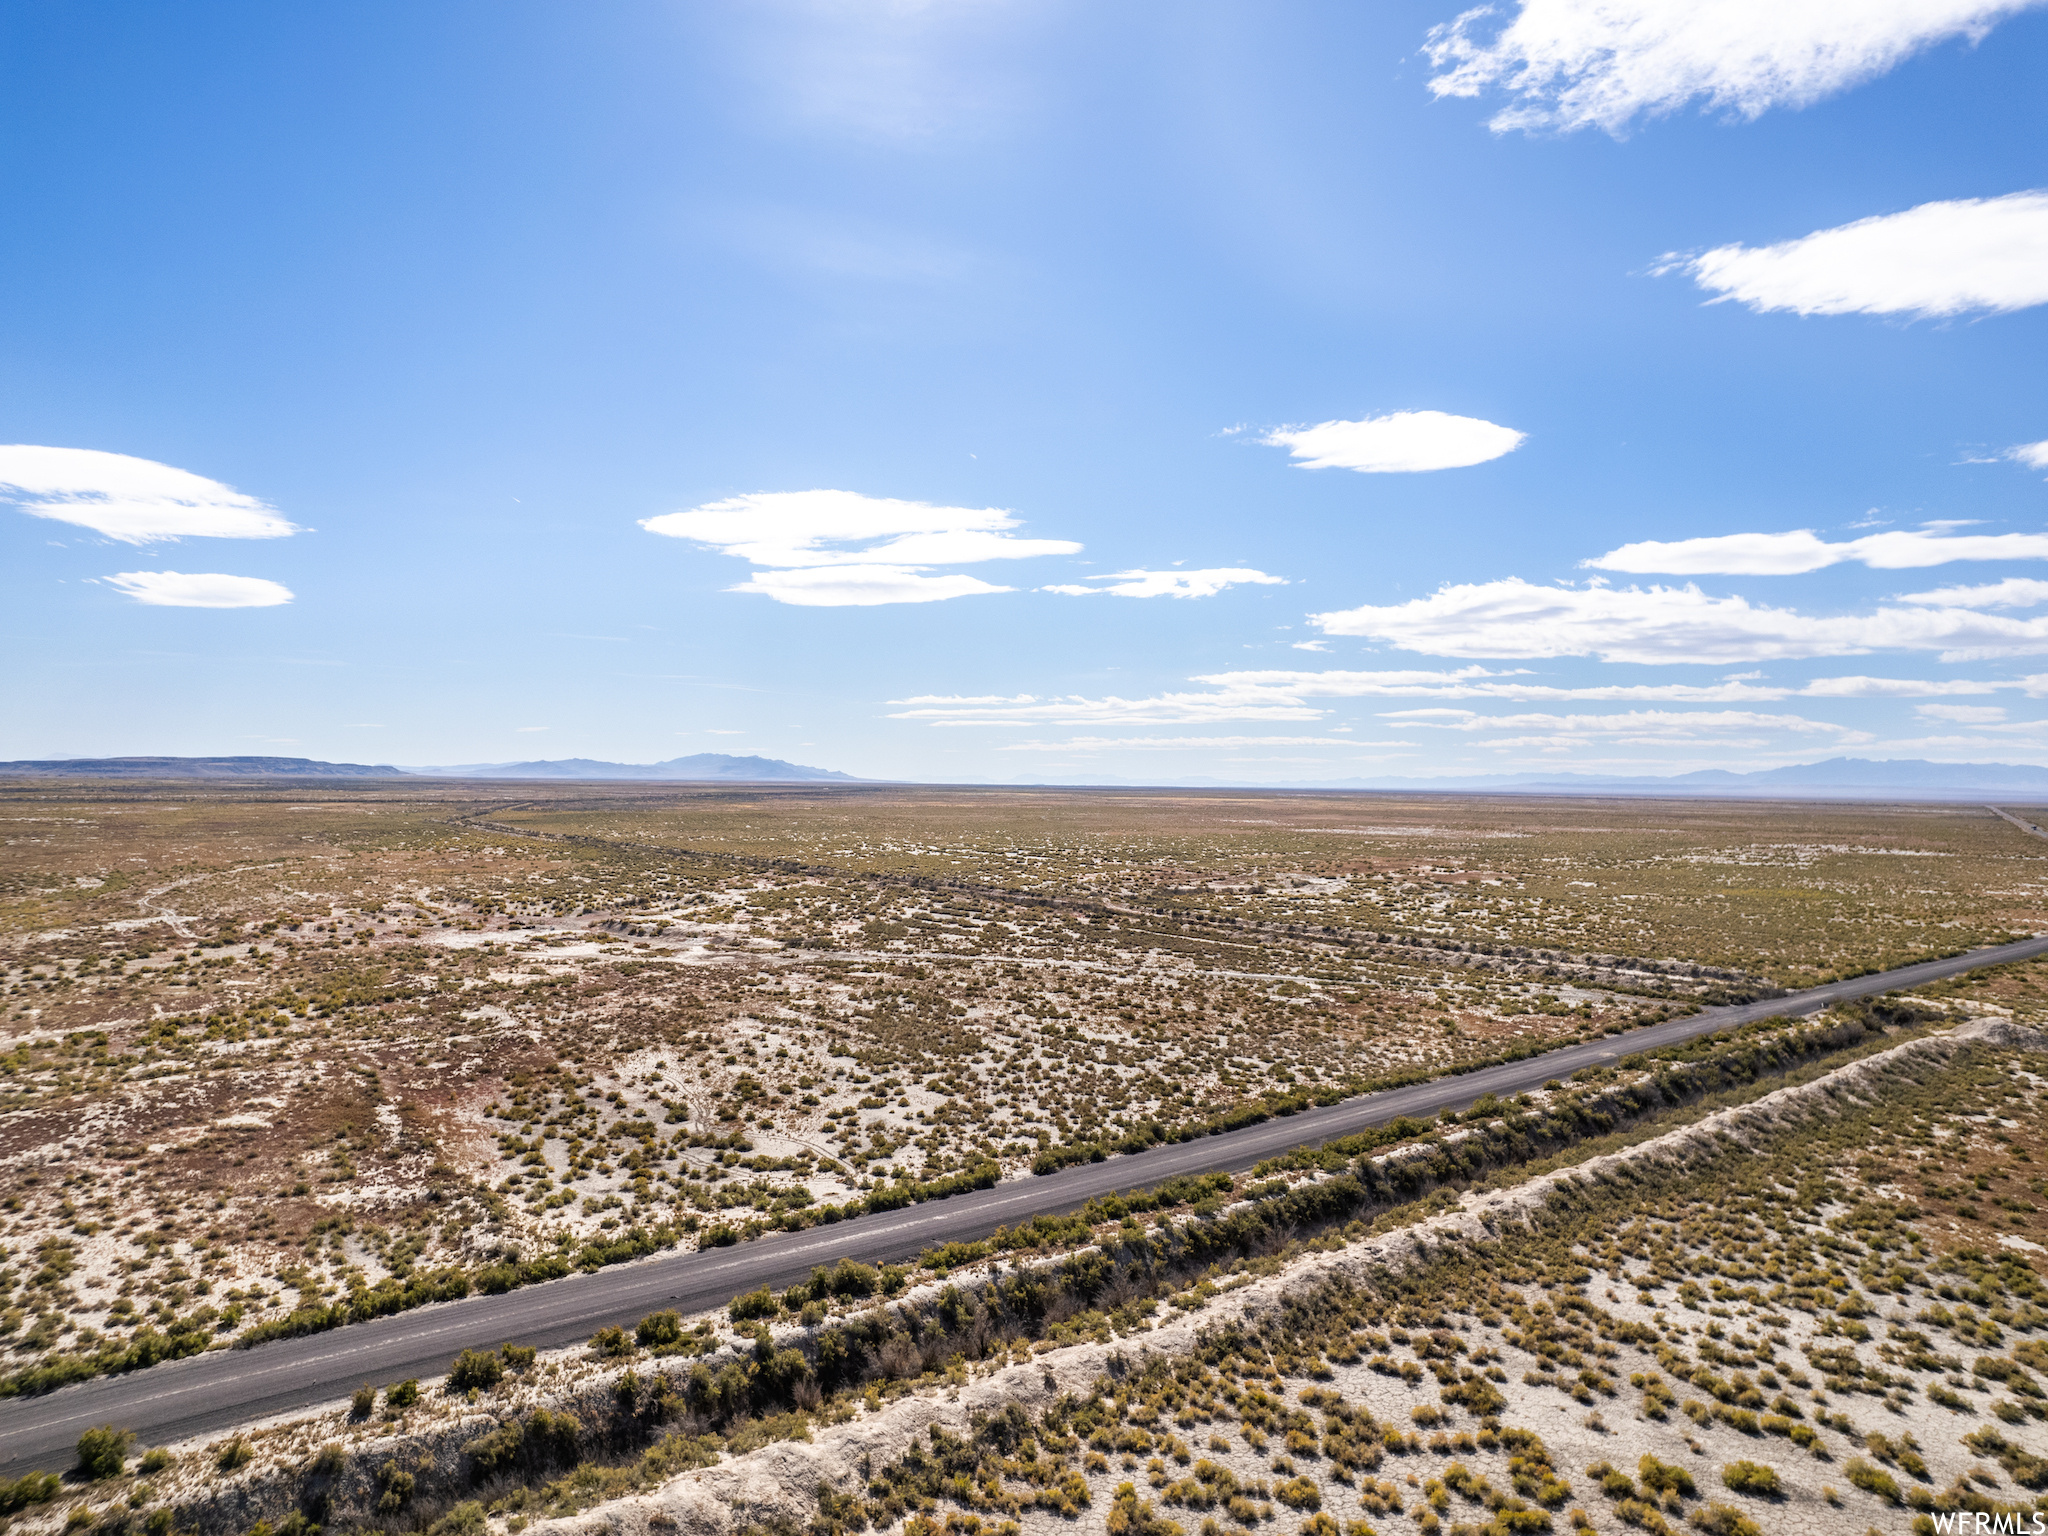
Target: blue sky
x=936, y=391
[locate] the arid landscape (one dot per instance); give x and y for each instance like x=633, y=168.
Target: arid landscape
x=918, y=768
x=278, y=1059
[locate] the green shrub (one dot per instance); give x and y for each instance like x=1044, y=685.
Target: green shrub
x=660, y=1328
x=29, y=1488
x=475, y=1370
x=1299, y=1493
x=397, y=1484
x=235, y=1455
x=402, y=1394
x=361, y=1401
x=1636, y=1512
x=544, y=1440
x=753, y=1305
x=611, y=1342
x=103, y=1452
x=154, y=1460
x=1753, y=1478
x=846, y=1278
x=1130, y=1517
x=1873, y=1479
x=1718, y=1519
x=463, y=1520
x=1614, y=1482
x=1662, y=1477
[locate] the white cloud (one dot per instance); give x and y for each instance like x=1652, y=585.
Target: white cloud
x=1286, y=695
x=1164, y=709
x=134, y=500
x=1603, y=63
x=1404, y=442
x=2033, y=455
x=862, y=586
x=1899, y=687
x=1281, y=695
x=172, y=589
x=1948, y=258
x=1514, y=618
x=1644, y=725
x=1793, y=554
x=1474, y=683
x=1172, y=583
x=1961, y=714
x=1175, y=743
x=2013, y=592
x=799, y=528
x=830, y=549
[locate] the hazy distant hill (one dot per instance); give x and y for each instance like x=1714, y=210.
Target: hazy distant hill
x=701, y=766
x=197, y=768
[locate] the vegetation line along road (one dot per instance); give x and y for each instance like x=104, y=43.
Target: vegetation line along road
x=222, y=1388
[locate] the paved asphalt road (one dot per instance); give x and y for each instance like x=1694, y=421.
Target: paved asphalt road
x=212, y=1391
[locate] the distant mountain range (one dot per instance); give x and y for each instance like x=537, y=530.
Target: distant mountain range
x=1839, y=778
x=698, y=767
x=703, y=766
x=195, y=768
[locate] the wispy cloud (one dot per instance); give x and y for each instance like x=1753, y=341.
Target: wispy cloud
x=1907, y=687
x=829, y=549
x=2033, y=455
x=2013, y=592
x=1967, y=255
x=1405, y=442
x=173, y=589
x=1177, y=743
x=136, y=501
x=1512, y=618
x=900, y=74
x=1206, y=583
x=1073, y=709
x=1961, y=714
x=1603, y=63
x=1642, y=726
x=1475, y=683
x=1289, y=695
x=862, y=586
x=1802, y=550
